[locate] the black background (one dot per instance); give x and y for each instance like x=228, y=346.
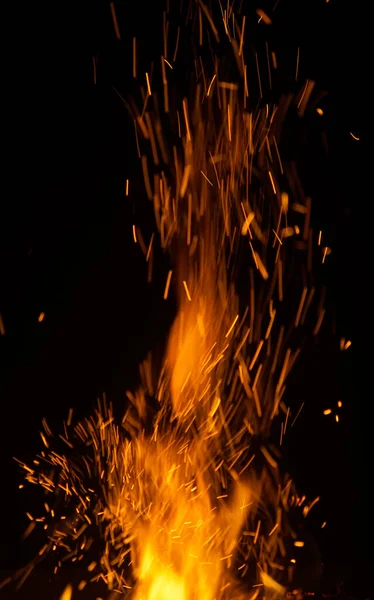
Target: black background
x=67, y=248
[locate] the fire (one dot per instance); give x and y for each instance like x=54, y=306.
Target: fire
x=190, y=501
x=181, y=541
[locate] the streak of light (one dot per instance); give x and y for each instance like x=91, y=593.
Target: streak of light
x=187, y=291
x=115, y=21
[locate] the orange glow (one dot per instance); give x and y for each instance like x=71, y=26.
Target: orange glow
x=191, y=497
x=41, y=317
x=67, y=593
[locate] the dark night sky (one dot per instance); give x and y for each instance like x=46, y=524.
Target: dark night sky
x=67, y=250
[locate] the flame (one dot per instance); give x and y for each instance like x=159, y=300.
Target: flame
x=190, y=501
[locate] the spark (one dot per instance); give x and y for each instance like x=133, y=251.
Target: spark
x=2, y=328
x=242, y=37
x=186, y=290
x=208, y=180
x=297, y=414
x=232, y=326
x=272, y=183
x=148, y=85
x=134, y=234
x=168, y=280
x=263, y=16
x=115, y=20
x=67, y=593
x=134, y=54
x=210, y=85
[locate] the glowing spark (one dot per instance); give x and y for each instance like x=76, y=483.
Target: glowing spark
x=260, y=266
x=242, y=37
x=210, y=85
x=232, y=326
x=297, y=414
x=208, y=180
x=185, y=113
x=326, y=252
x=41, y=317
x=168, y=280
x=263, y=16
x=247, y=222
x=67, y=593
x=115, y=21
x=150, y=248
x=148, y=84
x=186, y=290
x=2, y=328
x=304, y=99
x=184, y=184
x=82, y=585
x=134, y=234
x=354, y=136
x=274, y=529
x=277, y=236
x=272, y=183
x=134, y=70
x=176, y=45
